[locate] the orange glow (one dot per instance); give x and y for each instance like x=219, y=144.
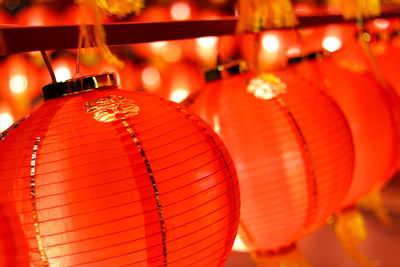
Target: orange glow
x=151, y=78
x=158, y=47
x=172, y=53
x=62, y=73
x=331, y=43
x=18, y=83
x=381, y=23
x=180, y=11
x=270, y=43
x=206, y=49
x=6, y=120
x=293, y=52
x=178, y=94
x=207, y=42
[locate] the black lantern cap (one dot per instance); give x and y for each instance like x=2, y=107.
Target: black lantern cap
x=79, y=85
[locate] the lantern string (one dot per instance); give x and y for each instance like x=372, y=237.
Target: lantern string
x=78, y=62
x=350, y=229
x=374, y=203
x=255, y=65
x=48, y=65
x=288, y=257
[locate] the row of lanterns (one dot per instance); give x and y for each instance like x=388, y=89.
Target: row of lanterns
x=112, y=177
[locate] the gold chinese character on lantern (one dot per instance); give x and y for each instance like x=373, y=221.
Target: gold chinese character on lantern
x=112, y=108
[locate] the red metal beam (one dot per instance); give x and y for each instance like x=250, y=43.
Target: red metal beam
x=35, y=38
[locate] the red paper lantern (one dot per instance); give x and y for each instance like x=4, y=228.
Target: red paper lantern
x=36, y=15
x=292, y=149
x=273, y=50
x=110, y=177
x=13, y=245
x=368, y=109
x=387, y=58
x=20, y=83
x=174, y=81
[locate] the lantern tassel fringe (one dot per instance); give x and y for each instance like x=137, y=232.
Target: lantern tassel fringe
x=374, y=203
x=93, y=11
x=288, y=257
x=256, y=15
x=358, y=9
x=350, y=229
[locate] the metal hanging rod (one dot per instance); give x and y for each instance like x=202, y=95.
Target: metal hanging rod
x=41, y=38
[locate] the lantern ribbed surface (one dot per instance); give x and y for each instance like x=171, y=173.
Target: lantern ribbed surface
x=293, y=154
x=117, y=178
x=368, y=110
x=13, y=245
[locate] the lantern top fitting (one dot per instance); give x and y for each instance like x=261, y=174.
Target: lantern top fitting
x=226, y=70
x=79, y=85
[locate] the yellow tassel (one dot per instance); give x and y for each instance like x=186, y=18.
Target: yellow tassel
x=92, y=11
x=358, y=9
x=121, y=8
x=287, y=257
x=256, y=15
x=373, y=202
x=350, y=229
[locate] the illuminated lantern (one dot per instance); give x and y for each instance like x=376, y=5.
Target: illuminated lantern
x=169, y=51
x=181, y=79
x=174, y=81
x=368, y=109
x=6, y=116
x=13, y=244
x=292, y=149
x=388, y=60
x=273, y=50
x=20, y=83
x=106, y=177
x=36, y=15
x=203, y=49
x=5, y=17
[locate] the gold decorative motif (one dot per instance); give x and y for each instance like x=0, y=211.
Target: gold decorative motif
x=266, y=86
x=153, y=183
x=34, y=207
x=112, y=108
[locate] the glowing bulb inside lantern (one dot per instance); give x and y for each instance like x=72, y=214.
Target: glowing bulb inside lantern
x=207, y=42
x=179, y=94
x=18, y=83
x=62, y=74
x=151, y=78
x=6, y=120
x=180, y=11
x=331, y=43
x=270, y=43
x=381, y=23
